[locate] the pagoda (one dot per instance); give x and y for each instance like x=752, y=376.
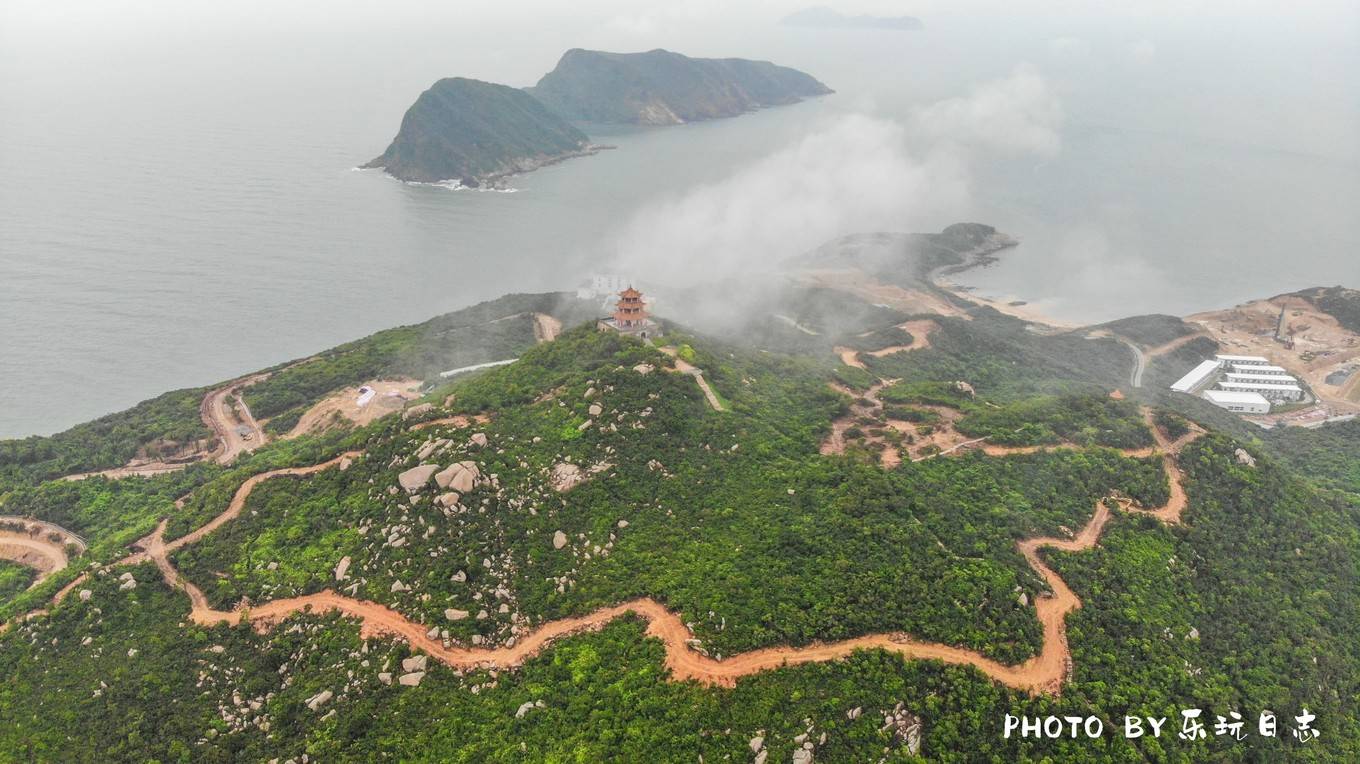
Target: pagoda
x=630, y=316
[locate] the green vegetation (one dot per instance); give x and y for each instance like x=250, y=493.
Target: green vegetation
x=659, y=87
x=1151, y=330
x=163, y=425
x=1172, y=424
x=1329, y=455
x=1338, y=302
x=1002, y=361
x=14, y=578
x=1086, y=420
x=1252, y=606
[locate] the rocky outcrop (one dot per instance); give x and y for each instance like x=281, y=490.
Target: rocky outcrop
x=459, y=477
x=416, y=478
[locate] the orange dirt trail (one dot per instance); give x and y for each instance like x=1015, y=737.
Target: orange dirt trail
x=1042, y=674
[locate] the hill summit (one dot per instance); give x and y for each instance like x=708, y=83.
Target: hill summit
x=476, y=132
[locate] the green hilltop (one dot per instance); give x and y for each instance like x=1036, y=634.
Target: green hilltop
x=476, y=132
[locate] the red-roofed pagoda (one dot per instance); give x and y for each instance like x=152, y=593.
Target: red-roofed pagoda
x=630, y=316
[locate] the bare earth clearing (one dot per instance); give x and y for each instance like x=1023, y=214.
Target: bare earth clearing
x=342, y=407
x=36, y=544
x=1321, y=346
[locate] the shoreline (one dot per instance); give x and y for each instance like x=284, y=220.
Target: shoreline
x=496, y=181
x=980, y=257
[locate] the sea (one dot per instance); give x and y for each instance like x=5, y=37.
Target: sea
x=179, y=202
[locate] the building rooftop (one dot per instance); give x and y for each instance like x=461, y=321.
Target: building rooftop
x=1271, y=379
x=1195, y=377
x=1251, y=368
x=1258, y=386
x=1231, y=396
x=1243, y=358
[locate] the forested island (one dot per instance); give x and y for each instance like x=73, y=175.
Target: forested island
x=477, y=133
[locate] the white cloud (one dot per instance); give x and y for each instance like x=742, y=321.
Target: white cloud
x=857, y=174
x=854, y=175
x=1068, y=48
x=1014, y=115
x=1143, y=51
x=634, y=26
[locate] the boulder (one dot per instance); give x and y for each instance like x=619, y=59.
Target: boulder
x=1244, y=458
x=802, y=756
x=414, y=479
x=412, y=679
x=479, y=439
x=320, y=699
x=454, y=614
x=448, y=500
x=419, y=409
x=458, y=477
x=595, y=409
x=559, y=540
x=85, y=595
x=757, y=743
x=414, y=663
x=342, y=568
x=385, y=677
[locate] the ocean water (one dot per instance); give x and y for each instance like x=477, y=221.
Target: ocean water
x=178, y=211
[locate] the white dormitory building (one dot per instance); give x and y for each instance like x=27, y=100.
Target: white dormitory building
x=1242, y=383
x=1196, y=377
x=1243, y=403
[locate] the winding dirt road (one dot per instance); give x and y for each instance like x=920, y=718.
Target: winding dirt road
x=919, y=330
x=218, y=415
x=224, y=419
x=546, y=327
x=1042, y=674
x=30, y=543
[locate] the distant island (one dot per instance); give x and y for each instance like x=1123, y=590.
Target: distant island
x=478, y=133
x=660, y=87
x=827, y=18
